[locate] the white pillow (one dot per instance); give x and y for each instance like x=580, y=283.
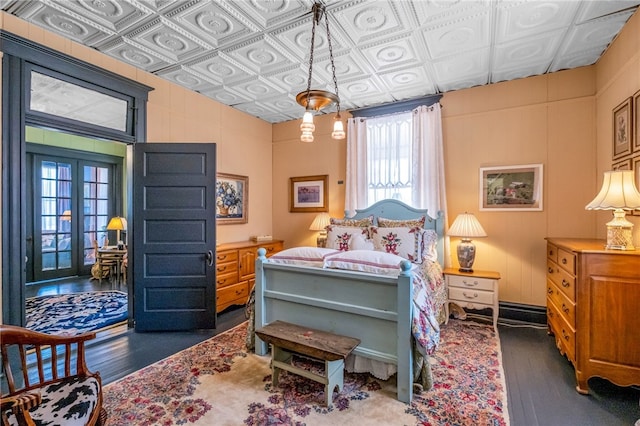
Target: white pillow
x=373, y=262
x=404, y=242
x=305, y=256
x=339, y=237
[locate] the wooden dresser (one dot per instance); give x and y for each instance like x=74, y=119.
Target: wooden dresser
x=593, y=309
x=235, y=270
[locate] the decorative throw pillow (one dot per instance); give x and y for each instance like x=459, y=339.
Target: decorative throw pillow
x=339, y=237
x=402, y=223
x=305, y=256
x=404, y=242
x=364, y=222
x=373, y=262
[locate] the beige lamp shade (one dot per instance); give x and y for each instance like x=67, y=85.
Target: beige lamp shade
x=320, y=222
x=618, y=193
x=467, y=226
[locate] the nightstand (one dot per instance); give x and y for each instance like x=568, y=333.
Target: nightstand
x=473, y=290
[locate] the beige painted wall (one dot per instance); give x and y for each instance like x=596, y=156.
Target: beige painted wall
x=561, y=120
x=179, y=115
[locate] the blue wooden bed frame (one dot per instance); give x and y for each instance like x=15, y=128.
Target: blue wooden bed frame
x=375, y=309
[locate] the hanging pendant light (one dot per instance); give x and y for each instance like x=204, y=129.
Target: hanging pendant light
x=317, y=99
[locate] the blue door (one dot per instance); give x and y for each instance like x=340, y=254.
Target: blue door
x=174, y=236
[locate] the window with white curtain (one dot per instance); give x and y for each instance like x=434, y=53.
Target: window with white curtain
x=389, y=157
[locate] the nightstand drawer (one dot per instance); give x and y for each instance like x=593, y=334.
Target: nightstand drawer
x=471, y=295
x=470, y=282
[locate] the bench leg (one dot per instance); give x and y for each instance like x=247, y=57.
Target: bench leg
x=278, y=354
x=334, y=371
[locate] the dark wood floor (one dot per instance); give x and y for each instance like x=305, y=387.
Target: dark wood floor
x=540, y=382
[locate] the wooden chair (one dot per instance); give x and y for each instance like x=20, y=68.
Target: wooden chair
x=49, y=370
x=104, y=267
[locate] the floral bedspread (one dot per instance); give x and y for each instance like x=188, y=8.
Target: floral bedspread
x=429, y=296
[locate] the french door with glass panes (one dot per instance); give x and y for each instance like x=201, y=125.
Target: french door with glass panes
x=72, y=202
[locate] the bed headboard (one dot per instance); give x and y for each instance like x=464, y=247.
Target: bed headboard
x=395, y=209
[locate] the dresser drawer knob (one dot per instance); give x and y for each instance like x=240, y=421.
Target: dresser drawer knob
x=464, y=293
x=550, y=313
x=222, y=281
x=565, y=283
x=549, y=290
x=470, y=284
x=565, y=335
x=565, y=309
x=221, y=268
x=564, y=261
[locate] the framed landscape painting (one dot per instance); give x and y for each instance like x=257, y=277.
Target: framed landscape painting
x=232, y=199
x=511, y=188
x=308, y=194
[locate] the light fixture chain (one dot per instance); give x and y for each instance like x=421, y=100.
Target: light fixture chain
x=333, y=66
x=313, y=43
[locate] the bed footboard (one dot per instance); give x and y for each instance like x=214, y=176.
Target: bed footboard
x=375, y=309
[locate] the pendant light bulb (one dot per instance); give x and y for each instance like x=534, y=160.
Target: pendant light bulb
x=338, y=129
x=307, y=122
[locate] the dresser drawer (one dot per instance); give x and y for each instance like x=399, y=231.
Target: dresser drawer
x=566, y=307
x=236, y=294
x=470, y=282
x=565, y=334
x=227, y=256
x=226, y=268
x=567, y=261
x=272, y=248
x=224, y=280
x=463, y=296
x=565, y=281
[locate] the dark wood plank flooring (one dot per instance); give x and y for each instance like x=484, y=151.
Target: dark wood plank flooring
x=540, y=382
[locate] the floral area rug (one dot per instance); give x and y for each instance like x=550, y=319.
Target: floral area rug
x=218, y=383
x=77, y=313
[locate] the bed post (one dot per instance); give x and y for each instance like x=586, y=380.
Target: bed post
x=404, y=350
x=260, y=314
x=439, y=228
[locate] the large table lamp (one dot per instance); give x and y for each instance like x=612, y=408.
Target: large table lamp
x=618, y=193
x=320, y=223
x=466, y=226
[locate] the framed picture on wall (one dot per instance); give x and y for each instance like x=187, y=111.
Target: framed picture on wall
x=232, y=199
x=511, y=188
x=636, y=122
x=635, y=166
x=308, y=194
x=622, y=130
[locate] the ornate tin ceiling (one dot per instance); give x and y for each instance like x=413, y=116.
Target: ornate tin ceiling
x=253, y=54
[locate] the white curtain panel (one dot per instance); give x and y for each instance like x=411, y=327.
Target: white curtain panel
x=356, y=179
x=428, y=146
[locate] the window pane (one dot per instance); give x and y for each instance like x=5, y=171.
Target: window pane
x=64, y=260
x=48, y=188
x=103, y=175
x=48, y=224
x=64, y=189
x=103, y=190
x=49, y=206
x=90, y=223
x=89, y=174
x=57, y=97
x=90, y=190
x=48, y=261
x=103, y=207
x=64, y=171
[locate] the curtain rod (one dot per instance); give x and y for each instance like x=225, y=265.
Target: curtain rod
x=394, y=107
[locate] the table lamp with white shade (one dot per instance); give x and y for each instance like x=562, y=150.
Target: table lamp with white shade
x=466, y=226
x=618, y=193
x=320, y=222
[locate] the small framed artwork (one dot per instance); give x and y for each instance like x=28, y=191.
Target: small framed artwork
x=511, y=188
x=308, y=194
x=232, y=199
x=636, y=122
x=622, y=131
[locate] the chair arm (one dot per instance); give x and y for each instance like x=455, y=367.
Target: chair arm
x=20, y=405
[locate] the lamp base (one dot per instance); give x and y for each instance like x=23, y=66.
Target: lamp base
x=466, y=255
x=619, y=232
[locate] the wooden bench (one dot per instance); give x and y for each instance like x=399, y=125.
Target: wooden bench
x=286, y=338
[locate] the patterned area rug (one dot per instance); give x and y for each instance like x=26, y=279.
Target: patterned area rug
x=218, y=383
x=77, y=313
